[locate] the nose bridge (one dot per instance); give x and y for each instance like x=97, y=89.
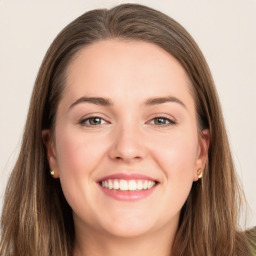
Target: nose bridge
x=127, y=142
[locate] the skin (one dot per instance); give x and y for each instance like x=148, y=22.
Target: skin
x=128, y=138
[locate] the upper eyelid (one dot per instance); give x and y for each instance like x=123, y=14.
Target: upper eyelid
x=169, y=119
x=163, y=115
x=108, y=119
x=93, y=115
x=82, y=120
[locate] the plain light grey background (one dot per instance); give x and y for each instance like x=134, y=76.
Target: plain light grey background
x=224, y=29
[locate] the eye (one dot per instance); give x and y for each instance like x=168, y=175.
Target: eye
x=161, y=121
x=93, y=121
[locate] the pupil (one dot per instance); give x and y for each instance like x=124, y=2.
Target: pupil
x=95, y=120
x=160, y=121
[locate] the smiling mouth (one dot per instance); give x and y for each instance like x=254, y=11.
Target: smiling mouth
x=127, y=185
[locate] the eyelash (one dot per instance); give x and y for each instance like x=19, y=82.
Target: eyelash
x=91, y=118
x=168, y=121
x=87, y=121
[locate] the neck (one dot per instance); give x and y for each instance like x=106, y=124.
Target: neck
x=94, y=244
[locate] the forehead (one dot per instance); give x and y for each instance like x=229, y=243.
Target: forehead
x=112, y=66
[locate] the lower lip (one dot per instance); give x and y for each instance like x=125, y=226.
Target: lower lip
x=128, y=195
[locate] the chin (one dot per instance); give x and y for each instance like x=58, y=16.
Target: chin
x=129, y=230
x=129, y=226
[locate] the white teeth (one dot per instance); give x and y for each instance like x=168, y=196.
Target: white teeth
x=132, y=185
x=125, y=185
x=105, y=184
x=151, y=184
x=145, y=186
x=110, y=184
x=139, y=185
x=116, y=184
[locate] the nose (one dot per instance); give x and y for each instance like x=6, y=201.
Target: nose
x=128, y=145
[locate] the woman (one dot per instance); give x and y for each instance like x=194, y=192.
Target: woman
x=125, y=150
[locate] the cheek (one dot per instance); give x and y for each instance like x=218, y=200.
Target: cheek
x=78, y=156
x=176, y=156
x=76, y=153
x=178, y=163
x=70, y=155
x=177, y=153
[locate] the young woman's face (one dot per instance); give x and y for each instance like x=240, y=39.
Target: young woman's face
x=126, y=145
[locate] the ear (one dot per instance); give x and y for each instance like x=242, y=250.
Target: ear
x=202, y=152
x=51, y=152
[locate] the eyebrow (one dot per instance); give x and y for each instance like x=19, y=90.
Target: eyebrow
x=93, y=100
x=107, y=102
x=162, y=100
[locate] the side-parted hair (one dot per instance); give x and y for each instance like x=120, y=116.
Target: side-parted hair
x=36, y=218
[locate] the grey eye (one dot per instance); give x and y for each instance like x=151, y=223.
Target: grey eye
x=93, y=121
x=161, y=121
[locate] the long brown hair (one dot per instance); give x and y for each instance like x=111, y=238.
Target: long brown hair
x=36, y=218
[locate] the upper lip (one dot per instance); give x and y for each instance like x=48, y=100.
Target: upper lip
x=127, y=176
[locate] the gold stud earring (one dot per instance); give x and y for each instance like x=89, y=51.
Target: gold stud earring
x=200, y=173
x=52, y=172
